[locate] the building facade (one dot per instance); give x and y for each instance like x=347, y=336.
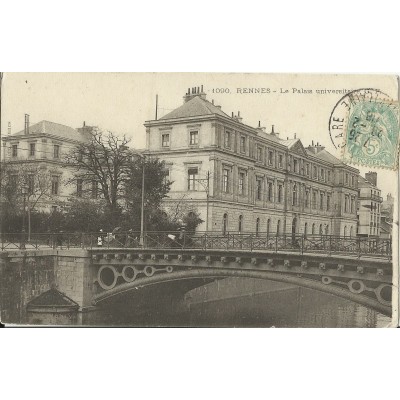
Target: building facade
x=40, y=151
x=369, y=206
x=243, y=179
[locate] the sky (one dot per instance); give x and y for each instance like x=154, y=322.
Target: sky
x=122, y=102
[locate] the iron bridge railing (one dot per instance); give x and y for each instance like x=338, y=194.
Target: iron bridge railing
x=324, y=244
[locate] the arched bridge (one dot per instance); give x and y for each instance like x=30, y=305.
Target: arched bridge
x=332, y=265
x=357, y=269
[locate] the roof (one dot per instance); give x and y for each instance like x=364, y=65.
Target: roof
x=52, y=128
x=193, y=108
x=325, y=156
x=362, y=182
x=52, y=298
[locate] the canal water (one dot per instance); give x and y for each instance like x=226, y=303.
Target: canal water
x=238, y=302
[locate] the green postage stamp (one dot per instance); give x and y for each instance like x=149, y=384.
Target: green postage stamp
x=367, y=122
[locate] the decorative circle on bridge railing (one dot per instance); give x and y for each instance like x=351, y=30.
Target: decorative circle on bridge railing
x=326, y=280
x=107, y=276
x=356, y=286
x=149, y=271
x=384, y=294
x=129, y=273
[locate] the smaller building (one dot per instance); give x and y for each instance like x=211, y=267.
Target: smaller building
x=387, y=217
x=369, y=206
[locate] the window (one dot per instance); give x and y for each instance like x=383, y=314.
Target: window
x=240, y=227
x=166, y=176
x=258, y=188
x=54, y=209
x=257, y=226
x=225, y=180
x=227, y=139
x=320, y=229
x=268, y=227
x=224, y=224
x=305, y=230
x=313, y=229
x=270, y=191
x=192, y=178
x=294, y=197
x=79, y=187
x=241, y=183
x=95, y=190
x=315, y=172
x=328, y=202
x=194, y=138
x=56, y=151
x=321, y=201
x=278, y=227
x=346, y=203
x=270, y=157
x=314, y=199
x=352, y=205
x=259, y=153
x=31, y=183
x=352, y=182
x=322, y=174
x=243, y=144
x=15, y=150
x=345, y=231
x=280, y=193
x=329, y=176
x=346, y=179
x=32, y=149
x=307, y=169
x=295, y=165
x=351, y=231
x=307, y=199
x=165, y=140
x=55, y=181
x=280, y=160
x=326, y=229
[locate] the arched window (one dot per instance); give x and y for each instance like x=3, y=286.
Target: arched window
x=224, y=224
x=345, y=231
x=240, y=223
x=326, y=229
x=294, y=195
x=305, y=229
x=278, y=227
x=268, y=227
x=351, y=231
x=313, y=229
x=320, y=229
x=257, y=226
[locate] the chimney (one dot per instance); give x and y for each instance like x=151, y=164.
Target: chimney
x=193, y=92
x=239, y=118
x=26, y=129
x=84, y=123
x=372, y=177
x=312, y=142
x=295, y=135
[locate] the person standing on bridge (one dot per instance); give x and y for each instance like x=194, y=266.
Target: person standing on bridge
x=100, y=239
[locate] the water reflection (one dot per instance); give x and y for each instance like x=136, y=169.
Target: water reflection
x=238, y=302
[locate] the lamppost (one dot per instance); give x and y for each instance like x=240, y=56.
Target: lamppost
x=24, y=190
x=206, y=185
x=141, y=239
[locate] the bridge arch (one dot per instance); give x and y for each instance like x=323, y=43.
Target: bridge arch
x=189, y=273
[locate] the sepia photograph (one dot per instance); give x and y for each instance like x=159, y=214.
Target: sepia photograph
x=199, y=200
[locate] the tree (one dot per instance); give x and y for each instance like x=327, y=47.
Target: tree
x=156, y=188
x=37, y=181
x=104, y=158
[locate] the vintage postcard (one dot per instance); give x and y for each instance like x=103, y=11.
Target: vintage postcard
x=199, y=200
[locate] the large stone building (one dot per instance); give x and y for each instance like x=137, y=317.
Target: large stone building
x=40, y=150
x=241, y=178
x=369, y=206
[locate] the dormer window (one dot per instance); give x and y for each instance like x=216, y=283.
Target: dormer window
x=194, y=138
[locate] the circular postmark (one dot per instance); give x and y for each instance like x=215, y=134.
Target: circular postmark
x=364, y=124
